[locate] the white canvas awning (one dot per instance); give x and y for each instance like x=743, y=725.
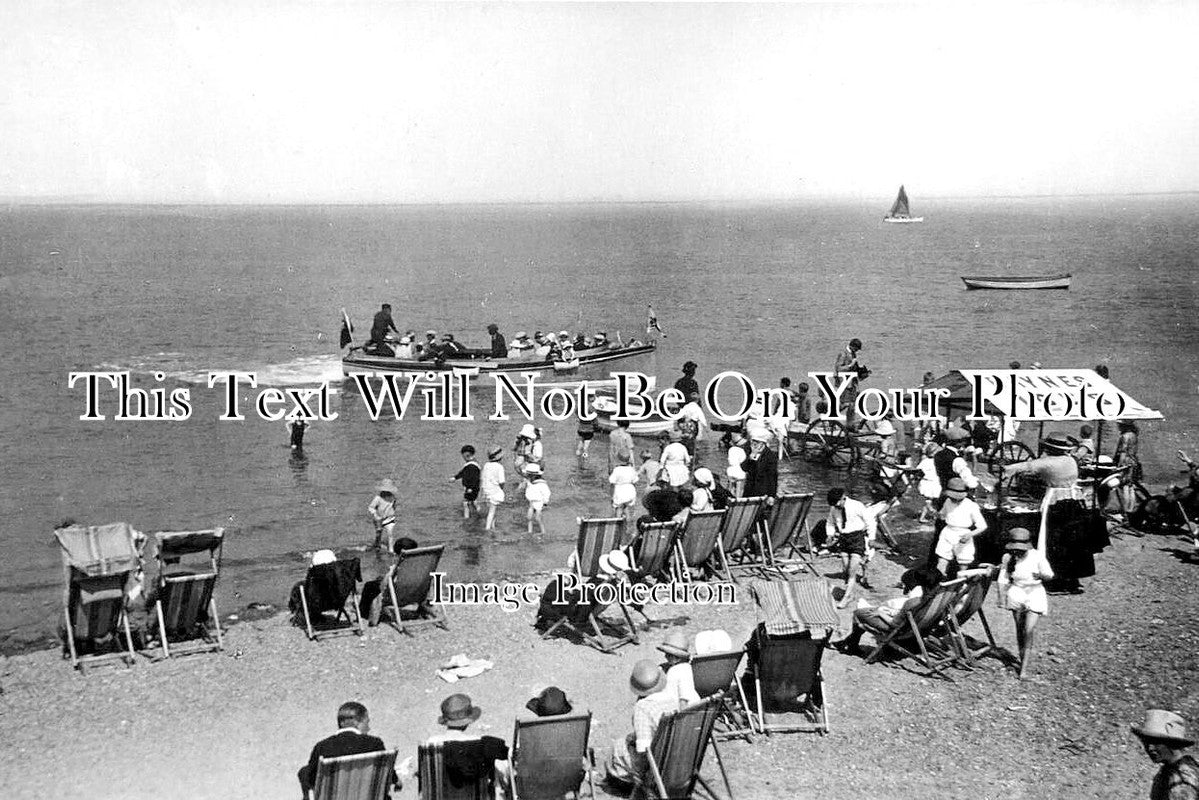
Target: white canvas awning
x=1045, y=395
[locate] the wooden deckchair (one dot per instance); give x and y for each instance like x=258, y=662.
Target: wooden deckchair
x=654, y=545
x=550, y=757
x=740, y=521
x=970, y=603
x=331, y=587
x=677, y=754
x=596, y=537
x=696, y=542
x=788, y=680
x=184, y=603
x=435, y=784
x=99, y=566
x=919, y=626
x=780, y=540
x=408, y=586
x=366, y=776
x=715, y=674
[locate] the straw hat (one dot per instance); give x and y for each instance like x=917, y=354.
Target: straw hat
x=550, y=702
x=703, y=476
x=495, y=452
x=676, y=644
x=1019, y=539
x=1163, y=726
x=714, y=641
x=615, y=561
x=457, y=711
x=532, y=469
x=528, y=431
x=521, y=335
x=647, y=678
x=760, y=435
x=956, y=488
x=884, y=428
x=323, y=557
x=387, y=485
x=431, y=333
x=1058, y=441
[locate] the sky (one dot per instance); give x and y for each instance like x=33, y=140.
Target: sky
x=253, y=101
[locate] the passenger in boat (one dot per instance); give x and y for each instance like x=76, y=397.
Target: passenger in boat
x=404, y=348
x=520, y=345
x=581, y=341
x=687, y=384
x=541, y=345
x=566, y=349
x=499, y=346
x=600, y=339
x=383, y=324
x=451, y=347
x=430, y=349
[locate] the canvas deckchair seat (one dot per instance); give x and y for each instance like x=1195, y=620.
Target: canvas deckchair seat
x=677, y=751
x=365, y=776
x=596, y=538
x=408, y=589
x=788, y=516
x=550, y=756
x=99, y=564
x=655, y=545
x=101, y=549
x=434, y=780
x=921, y=626
x=697, y=541
x=716, y=674
x=790, y=607
x=173, y=545
x=185, y=602
x=326, y=586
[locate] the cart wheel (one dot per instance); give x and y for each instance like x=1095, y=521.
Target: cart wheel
x=1010, y=453
x=829, y=443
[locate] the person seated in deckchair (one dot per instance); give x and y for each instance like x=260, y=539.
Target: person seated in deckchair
x=352, y=738
x=679, y=678
x=629, y=760
x=469, y=757
x=370, y=604
x=915, y=583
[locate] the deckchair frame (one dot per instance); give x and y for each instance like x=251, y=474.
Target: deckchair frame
x=585, y=758
x=365, y=776
x=353, y=626
x=920, y=624
x=778, y=541
x=106, y=558
x=971, y=601
x=715, y=674
x=116, y=621
x=696, y=542
x=434, y=784
x=183, y=599
x=657, y=544
x=596, y=537
x=418, y=591
x=683, y=734
x=821, y=712
x=740, y=522
x=596, y=638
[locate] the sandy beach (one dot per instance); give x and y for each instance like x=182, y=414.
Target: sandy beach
x=239, y=723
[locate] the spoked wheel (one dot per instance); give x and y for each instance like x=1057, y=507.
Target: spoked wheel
x=829, y=443
x=1009, y=453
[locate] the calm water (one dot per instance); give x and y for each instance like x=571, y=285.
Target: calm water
x=766, y=290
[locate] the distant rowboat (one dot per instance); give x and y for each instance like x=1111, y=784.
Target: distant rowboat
x=1023, y=282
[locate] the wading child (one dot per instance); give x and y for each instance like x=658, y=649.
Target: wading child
x=647, y=473
x=586, y=431
x=537, y=492
x=382, y=511
x=471, y=477
x=491, y=484
x=624, y=487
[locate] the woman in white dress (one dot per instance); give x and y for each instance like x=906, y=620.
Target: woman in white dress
x=1021, y=589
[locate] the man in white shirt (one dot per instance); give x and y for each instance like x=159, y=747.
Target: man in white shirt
x=851, y=528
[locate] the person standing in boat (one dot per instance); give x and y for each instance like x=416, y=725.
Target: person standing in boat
x=380, y=328
x=499, y=345
x=687, y=385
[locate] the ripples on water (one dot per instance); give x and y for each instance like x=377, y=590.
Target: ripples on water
x=766, y=290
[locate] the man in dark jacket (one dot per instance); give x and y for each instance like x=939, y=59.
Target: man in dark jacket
x=761, y=468
x=352, y=738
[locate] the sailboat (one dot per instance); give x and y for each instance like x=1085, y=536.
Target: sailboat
x=899, y=210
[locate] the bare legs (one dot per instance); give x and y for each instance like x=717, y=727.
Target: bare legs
x=1026, y=622
x=534, y=516
x=489, y=525
x=853, y=568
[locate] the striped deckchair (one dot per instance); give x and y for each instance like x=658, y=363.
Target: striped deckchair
x=696, y=542
x=919, y=625
x=780, y=540
x=435, y=784
x=788, y=681
x=408, y=586
x=366, y=776
x=969, y=605
x=184, y=601
x=715, y=674
x=654, y=545
x=677, y=754
x=596, y=537
x=740, y=521
x=100, y=564
x=550, y=757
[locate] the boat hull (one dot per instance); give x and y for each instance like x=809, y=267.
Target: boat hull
x=594, y=367
x=903, y=220
x=651, y=427
x=1026, y=282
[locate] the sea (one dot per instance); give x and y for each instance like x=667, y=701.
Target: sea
x=169, y=294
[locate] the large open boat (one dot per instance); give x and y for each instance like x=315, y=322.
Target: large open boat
x=1018, y=282
x=899, y=210
x=594, y=365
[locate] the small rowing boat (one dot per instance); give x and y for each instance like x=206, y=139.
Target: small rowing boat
x=1018, y=282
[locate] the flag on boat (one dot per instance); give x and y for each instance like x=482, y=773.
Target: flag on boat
x=347, y=329
x=651, y=323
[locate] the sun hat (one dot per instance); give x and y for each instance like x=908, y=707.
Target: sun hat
x=495, y=451
x=703, y=476
x=1163, y=726
x=713, y=641
x=884, y=428
x=615, y=561
x=1018, y=539
x=532, y=469
x=457, y=711
x=760, y=435
x=387, y=485
x=646, y=678
x=563, y=334
x=323, y=557
x=405, y=340
x=528, y=431
x=1058, y=441
x=521, y=335
x=550, y=702
x=956, y=488
x=956, y=434
x=430, y=333
x=676, y=644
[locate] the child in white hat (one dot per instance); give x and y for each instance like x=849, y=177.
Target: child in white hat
x=537, y=492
